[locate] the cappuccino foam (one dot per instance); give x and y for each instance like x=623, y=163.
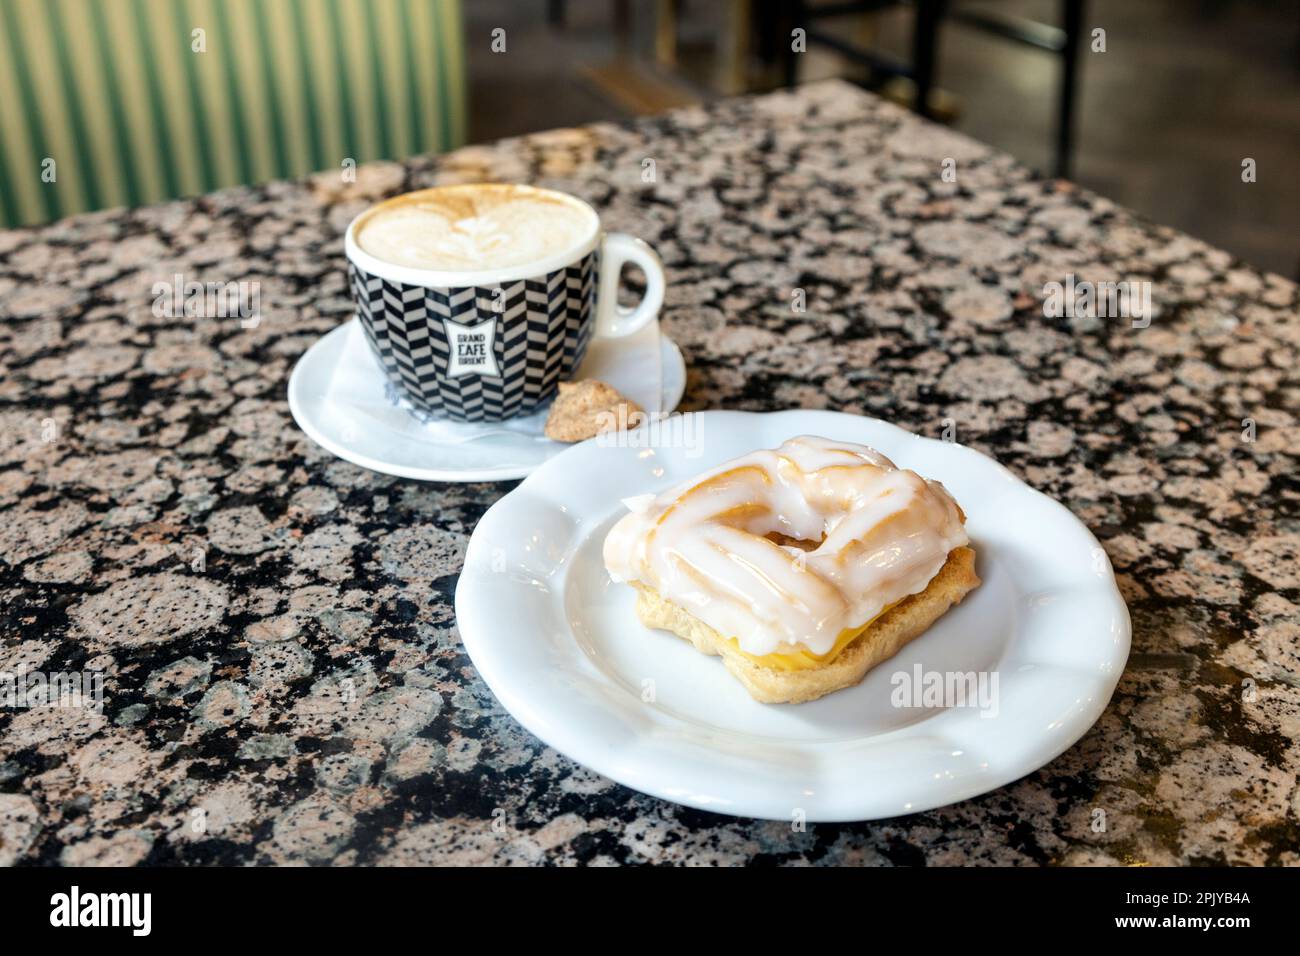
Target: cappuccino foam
x=474, y=228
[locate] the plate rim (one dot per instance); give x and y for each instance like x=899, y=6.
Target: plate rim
x=472, y=629
x=667, y=346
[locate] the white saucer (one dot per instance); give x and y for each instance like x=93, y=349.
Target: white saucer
x=560, y=646
x=338, y=396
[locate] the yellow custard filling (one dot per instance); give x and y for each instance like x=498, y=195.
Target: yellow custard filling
x=807, y=660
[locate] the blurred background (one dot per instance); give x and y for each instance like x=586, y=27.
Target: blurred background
x=121, y=102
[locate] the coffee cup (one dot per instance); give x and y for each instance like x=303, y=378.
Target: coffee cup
x=478, y=300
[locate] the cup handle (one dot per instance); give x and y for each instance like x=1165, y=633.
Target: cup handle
x=613, y=320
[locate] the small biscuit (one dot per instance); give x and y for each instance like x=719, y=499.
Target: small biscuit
x=584, y=409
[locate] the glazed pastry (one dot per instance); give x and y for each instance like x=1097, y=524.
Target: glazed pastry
x=802, y=567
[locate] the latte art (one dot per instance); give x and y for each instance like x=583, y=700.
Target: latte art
x=474, y=228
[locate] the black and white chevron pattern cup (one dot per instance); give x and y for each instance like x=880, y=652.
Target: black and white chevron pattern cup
x=494, y=344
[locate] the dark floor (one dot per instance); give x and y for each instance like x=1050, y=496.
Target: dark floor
x=539, y=82
x=1185, y=90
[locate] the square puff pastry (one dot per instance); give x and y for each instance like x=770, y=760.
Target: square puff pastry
x=802, y=567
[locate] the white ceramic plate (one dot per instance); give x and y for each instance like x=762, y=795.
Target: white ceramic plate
x=337, y=395
x=560, y=646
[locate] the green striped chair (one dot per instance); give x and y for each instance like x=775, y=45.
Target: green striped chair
x=116, y=94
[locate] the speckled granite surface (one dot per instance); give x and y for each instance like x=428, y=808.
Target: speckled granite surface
x=302, y=696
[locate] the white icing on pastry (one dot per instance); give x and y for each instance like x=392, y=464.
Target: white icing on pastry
x=884, y=533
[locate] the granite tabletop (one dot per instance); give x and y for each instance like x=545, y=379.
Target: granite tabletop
x=282, y=679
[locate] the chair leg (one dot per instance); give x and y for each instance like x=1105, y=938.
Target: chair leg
x=1073, y=27
x=736, y=47
x=925, y=39
x=792, y=18
x=666, y=34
